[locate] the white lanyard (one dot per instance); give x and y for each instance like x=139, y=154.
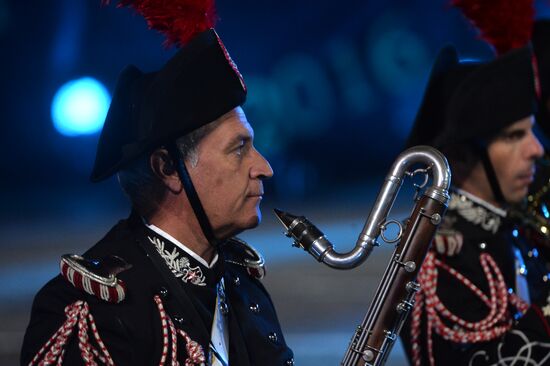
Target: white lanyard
x=522, y=288
x=219, y=343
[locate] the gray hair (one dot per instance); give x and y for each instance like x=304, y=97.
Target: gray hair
x=142, y=186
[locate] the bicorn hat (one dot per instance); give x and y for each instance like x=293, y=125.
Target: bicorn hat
x=541, y=46
x=469, y=102
x=196, y=86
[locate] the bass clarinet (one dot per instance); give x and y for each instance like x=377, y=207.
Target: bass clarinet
x=374, y=337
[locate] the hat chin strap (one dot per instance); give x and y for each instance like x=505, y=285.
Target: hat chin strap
x=192, y=195
x=483, y=153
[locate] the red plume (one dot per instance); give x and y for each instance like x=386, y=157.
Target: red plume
x=505, y=24
x=178, y=20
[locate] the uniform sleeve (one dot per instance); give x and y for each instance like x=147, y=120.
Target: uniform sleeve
x=50, y=329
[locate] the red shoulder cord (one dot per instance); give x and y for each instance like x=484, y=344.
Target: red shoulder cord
x=53, y=351
x=79, y=313
x=496, y=323
x=195, y=353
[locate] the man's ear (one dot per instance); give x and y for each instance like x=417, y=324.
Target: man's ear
x=164, y=168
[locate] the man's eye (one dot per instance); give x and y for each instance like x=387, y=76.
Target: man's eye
x=514, y=135
x=239, y=150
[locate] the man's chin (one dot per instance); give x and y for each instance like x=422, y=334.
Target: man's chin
x=254, y=222
x=250, y=223
x=518, y=197
x=236, y=228
x=255, y=218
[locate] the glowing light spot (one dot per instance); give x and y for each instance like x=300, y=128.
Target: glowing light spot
x=79, y=107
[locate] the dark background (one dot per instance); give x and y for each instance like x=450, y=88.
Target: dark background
x=333, y=90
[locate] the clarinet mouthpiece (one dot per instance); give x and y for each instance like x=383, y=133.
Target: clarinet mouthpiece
x=305, y=235
x=286, y=219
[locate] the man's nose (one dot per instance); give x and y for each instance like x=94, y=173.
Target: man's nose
x=534, y=147
x=261, y=168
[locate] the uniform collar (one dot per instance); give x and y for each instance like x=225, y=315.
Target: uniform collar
x=185, y=265
x=182, y=246
x=480, y=202
x=476, y=210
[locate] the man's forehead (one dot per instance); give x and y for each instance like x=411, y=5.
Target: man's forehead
x=232, y=126
x=237, y=123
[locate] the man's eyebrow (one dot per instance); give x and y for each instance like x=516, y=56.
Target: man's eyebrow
x=240, y=137
x=515, y=129
x=512, y=132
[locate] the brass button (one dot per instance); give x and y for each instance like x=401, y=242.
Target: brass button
x=163, y=292
x=272, y=337
x=224, y=308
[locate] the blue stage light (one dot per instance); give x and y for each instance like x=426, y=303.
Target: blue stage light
x=79, y=107
x=545, y=210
